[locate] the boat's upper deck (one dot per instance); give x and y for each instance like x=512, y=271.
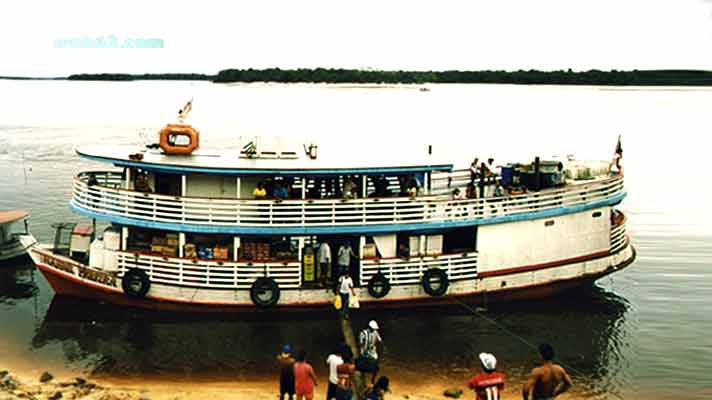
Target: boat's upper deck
x=275, y=163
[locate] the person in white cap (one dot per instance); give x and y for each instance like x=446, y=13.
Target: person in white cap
x=489, y=384
x=369, y=342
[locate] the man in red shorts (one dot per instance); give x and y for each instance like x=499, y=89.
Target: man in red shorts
x=489, y=384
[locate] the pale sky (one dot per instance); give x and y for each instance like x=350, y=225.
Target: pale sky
x=206, y=36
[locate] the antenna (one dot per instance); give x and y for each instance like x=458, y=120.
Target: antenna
x=183, y=112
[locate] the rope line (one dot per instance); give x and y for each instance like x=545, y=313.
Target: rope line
x=510, y=333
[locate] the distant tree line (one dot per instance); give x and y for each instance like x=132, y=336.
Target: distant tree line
x=140, y=77
x=530, y=77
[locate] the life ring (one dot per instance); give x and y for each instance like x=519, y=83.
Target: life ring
x=179, y=139
x=135, y=282
x=264, y=292
x=435, y=282
x=379, y=286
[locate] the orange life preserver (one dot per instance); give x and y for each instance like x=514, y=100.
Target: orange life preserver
x=179, y=139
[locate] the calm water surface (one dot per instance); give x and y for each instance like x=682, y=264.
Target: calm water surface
x=642, y=333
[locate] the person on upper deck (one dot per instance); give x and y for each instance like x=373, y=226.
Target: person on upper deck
x=474, y=171
x=141, y=184
x=260, y=192
x=349, y=186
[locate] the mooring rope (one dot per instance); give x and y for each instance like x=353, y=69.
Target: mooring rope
x=510, y=333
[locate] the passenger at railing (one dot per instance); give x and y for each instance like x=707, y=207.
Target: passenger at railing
x=280, y=191
x=493, y=173
x=260, y=193
x=414, y=187
x=141, y=184
x=344, y=257
x=403, y=251
x=380, y=184
x=471, y=191
x=349, y=189
x=458, y=195
x=499, y=190
x=474, y=171
x=91, y=181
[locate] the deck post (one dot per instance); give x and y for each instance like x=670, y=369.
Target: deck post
x=235, y=247
x=124, y=237
x=181, y=243
x=127, y=184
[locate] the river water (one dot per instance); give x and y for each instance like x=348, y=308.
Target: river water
x=641, y=333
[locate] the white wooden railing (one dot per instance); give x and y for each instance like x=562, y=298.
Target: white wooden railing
x=401, y=271
x=618, y=236
x=211, y=274
x=107, y=198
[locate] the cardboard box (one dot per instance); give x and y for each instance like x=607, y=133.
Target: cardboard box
x=190, y=251
x=220, y=253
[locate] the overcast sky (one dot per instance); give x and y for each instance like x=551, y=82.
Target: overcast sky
x=206, y=36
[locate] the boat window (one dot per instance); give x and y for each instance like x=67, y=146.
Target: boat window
x=597, y=214
x=460, y=240
x=549, y=222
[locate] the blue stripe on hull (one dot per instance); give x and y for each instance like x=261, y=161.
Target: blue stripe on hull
x=347, y=229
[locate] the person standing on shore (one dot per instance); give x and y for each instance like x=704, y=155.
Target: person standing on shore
x=377, y=391
x=333, y=360
x=345, y=373
x=369, y=341
x=285, y=361
x=304, y=377
x=488, y=385
x=547, y=380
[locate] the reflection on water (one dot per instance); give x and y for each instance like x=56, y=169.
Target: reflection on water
x=17, y=281
x=127, y=342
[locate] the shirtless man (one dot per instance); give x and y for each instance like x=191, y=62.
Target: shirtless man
x=548, y=380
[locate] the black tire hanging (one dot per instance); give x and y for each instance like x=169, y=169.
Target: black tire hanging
x=379, y=286
x=264, y=292
x=435, y=282
x=135, y=282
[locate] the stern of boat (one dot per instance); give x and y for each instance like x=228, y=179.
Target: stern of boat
x=28, y=242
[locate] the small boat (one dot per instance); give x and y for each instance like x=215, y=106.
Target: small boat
x=11, y=248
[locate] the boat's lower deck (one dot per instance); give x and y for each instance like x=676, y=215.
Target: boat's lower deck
x=523, y=282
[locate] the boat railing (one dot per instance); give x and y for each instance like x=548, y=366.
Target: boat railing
x=210, y=274
x=619, y=239
x=401, y=271
x=108, y=200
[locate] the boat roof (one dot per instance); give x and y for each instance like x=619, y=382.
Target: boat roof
x=232, y=163
x=7, y=217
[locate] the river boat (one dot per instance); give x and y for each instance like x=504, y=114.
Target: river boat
x=203, y=230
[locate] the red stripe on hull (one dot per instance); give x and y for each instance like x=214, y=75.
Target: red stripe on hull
x=68, y=285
